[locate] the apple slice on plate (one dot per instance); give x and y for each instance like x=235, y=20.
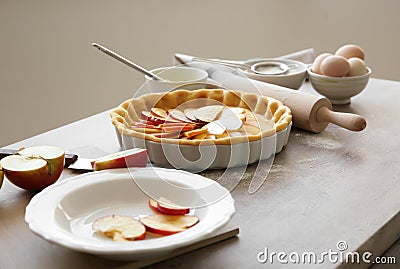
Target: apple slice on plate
x=120, y=228
x=34, y=168
x=168, y=224
x=165, y=206
x=128, y=158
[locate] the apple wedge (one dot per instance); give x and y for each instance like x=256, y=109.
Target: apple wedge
x=128, y=158
x=166, y=207
x=168, y=224
x=34, y=168
x=120, y=228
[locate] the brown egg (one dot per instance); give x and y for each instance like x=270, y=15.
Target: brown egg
x=316, y=66
x=351, y=51
x=335, y=66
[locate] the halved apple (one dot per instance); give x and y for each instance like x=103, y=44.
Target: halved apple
x=34, y=168
x=128, y=158
x=168, y=224
x=120, y=228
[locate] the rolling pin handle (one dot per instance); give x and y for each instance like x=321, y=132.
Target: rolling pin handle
x=352, y=122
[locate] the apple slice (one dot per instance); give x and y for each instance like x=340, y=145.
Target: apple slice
x=249, y=129
x=208, y=113
x=167, y=207
x=195, y=132
x=34, y=168
x=178, y=128
x=168, y=224
x=200, y=136
x=164, y=206
x=151, y=117
x=145, y=130
x=215, y=128
x=120, y=228
x=190, y=114
x=153, y=204
x=236, y=110
x=179, y=115
x=128, y=158
x=168, y=135
x=159, y=112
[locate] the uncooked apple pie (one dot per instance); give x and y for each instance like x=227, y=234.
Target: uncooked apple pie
x=192, y=117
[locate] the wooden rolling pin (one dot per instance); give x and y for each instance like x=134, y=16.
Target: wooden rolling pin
x=310, y=112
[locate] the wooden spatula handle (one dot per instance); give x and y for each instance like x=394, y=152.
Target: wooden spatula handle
x=349, y=121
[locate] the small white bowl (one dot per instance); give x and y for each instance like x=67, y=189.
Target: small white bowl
x=174, y=76
x=292, y=79
x=338, y=89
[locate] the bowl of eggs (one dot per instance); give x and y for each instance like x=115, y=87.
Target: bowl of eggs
x=340, y=76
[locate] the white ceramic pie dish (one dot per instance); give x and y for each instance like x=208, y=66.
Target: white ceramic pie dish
x=208, y=157
x=64, y=212
x=198, y=154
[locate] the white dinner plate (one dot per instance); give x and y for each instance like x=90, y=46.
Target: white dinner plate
x=63, y=213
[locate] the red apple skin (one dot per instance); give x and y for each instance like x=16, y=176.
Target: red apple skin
x=1, y=176
x=37, y=179
x=164, y=209
x=171, y=211
x=165, y=232
x=136, y=160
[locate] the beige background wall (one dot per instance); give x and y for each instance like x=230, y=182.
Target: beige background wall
x=50, y=75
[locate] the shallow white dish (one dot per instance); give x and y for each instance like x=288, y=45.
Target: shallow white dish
x=63, y=213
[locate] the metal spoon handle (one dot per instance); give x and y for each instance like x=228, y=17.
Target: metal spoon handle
x=126, y=61
x=222, y=62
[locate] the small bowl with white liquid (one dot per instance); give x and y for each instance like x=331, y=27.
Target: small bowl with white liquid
x=175, y=76
x=271, y=72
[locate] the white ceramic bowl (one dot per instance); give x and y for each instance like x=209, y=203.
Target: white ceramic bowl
x=292, y=79
x=174, y=76
x=338, y=89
